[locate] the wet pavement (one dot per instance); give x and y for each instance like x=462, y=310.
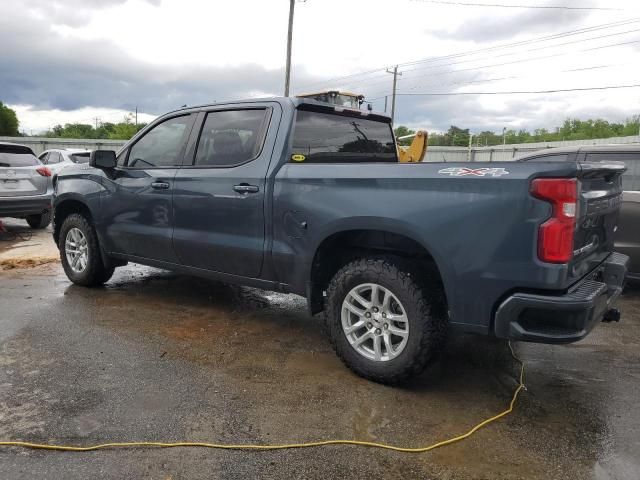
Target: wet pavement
x=163, y=357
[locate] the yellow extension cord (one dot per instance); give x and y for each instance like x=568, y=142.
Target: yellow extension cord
x=70, y=448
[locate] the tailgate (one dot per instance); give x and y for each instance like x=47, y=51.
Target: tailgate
x=21, y=181
x=600, y=196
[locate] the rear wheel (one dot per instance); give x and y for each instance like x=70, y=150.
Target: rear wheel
x=40, y=221
x=80, y=252
x=385, y=324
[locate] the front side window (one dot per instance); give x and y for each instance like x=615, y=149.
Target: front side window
x=162, y=145
x=230, y=137
x=330, y=138
x=121, y=159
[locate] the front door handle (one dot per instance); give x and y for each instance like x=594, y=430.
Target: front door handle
x=160, y=185
x=246, y=188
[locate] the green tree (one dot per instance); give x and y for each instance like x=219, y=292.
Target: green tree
x=8, y=121
x=125, y=130
x=457, y=136
x=115, y=131
x=401, y=131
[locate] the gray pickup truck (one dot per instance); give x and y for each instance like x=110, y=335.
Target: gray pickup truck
x=299, y=196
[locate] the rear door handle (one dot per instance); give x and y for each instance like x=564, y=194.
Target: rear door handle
x=246, y=188
x=160, y=185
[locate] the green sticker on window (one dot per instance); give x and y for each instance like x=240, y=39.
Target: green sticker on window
x=297, y=157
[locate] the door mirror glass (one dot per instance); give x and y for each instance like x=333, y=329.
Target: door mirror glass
x=103, y=159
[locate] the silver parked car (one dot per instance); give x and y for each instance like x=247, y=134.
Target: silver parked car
x=25, y=185
x=627, y=238
x=60, y=158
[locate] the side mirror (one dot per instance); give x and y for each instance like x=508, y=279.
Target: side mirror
x=103, y=159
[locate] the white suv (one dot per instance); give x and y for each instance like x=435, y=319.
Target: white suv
x=58, y=159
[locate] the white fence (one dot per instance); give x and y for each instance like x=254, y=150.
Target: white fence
x=40, y=144
x=499, y=153
x=505, y=153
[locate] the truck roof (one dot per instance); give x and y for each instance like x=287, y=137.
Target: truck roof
x=295, y=102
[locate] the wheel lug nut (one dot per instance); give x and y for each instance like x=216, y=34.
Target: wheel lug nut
x=375, y=309
x=386, y=325
x=369, y=325
x=378, y=331
x=384, y=315
x=368, y=315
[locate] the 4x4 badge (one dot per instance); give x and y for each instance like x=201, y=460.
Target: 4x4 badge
x=474, y=172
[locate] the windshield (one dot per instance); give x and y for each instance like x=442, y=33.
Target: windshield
x=18, y=160
x=81, y=157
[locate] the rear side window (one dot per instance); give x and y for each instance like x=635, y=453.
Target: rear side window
x=18, y=160
x=231, y=137
x=630, y=178
x=330, y=138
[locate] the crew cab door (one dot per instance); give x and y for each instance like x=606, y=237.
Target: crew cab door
x=137, y=212
x=219, y=197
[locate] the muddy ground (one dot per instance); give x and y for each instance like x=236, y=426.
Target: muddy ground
x=157, y=356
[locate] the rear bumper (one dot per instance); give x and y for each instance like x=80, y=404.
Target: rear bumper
x=23, y=206
x=563, y=318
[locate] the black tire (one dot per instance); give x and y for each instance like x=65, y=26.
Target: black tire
x=423, y=302
x=38, y=222
x=95, y=272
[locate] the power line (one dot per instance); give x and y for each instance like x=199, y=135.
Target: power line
x=502, y=5
x=513, y=77
x=497, y=79
x=486, y=49
x=519, y=92
x=522, y=60
x=572, y=42
x=427, y=67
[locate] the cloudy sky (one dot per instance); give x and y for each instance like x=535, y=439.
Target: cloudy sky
x=78, y=60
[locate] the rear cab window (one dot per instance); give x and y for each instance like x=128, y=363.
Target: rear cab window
x=334, y=138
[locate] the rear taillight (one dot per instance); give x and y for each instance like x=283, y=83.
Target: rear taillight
x=44, y=171
x=555, y=236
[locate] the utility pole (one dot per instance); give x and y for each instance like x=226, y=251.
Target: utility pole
x=386, y=97
x=393, y=96
x=504, y=136
x=469, y=150
x=97, y=119
x=136, y=115
x=287, y=74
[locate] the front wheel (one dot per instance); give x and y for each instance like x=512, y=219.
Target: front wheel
x=384, y=323
x=80, y=252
